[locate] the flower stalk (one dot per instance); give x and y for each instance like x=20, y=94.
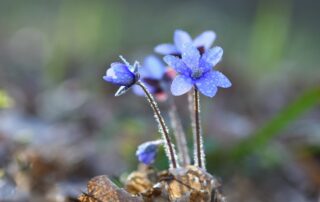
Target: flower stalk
x=180, y=135
x=169, y=149
x=199, y=155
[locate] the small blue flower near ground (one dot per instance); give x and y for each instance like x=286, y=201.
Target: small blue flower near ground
x=147, y=152
x=202, y=42
x=195, y=70
x=122, y=74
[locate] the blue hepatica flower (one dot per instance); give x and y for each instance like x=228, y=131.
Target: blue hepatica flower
x=147, y=151
x=123, y=75
x=202, y=42
x=195, y=70
x=155, y=76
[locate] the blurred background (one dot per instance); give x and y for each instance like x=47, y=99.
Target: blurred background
x=60, y=124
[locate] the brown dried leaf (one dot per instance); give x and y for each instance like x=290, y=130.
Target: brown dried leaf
x=142, y=180
x=102, y=189
x=138, y=182
x=190, y=184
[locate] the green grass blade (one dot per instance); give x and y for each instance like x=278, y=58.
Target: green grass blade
x=290, y=113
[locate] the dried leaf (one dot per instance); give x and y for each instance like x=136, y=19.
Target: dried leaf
x=138, y=182
x=190, y=184
x=186, y=184
x=102, y=189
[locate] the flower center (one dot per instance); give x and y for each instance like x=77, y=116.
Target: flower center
x=196, y=73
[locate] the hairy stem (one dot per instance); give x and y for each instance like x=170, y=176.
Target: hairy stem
x=180, y=135
x=162, y=126
x=191, y=111
x=198, y=150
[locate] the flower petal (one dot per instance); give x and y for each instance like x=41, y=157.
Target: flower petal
x=147, y=151
x=206, y=84
x=138, y=91
x=213, y=55
x=147, y=158
x=190, y=55
x=204, y=66
x=205, y=39
x=180, y=85
x=221, y=80
x=180, y=38
x=152, y=68
x=166, y=49
x=119, y=74
x=135, y=67
x=177, y=64
x=122, y=90
x=124, y=60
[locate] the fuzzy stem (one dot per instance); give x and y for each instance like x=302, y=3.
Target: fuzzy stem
x=199, y=151
x=162, y=126
x=191, y=111
x=180, y=135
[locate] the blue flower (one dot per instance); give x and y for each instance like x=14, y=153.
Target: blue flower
x=195, y=70
x=155, y=76
x=202, y=42
x=147, y=151
x=122, y=74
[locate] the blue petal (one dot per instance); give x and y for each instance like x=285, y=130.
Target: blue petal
x=138, y=91
x=204, y=66
x=207, y=84
x=120, y=66
x=213, y=55
x=180, y=38
x=190, y=55
x=180, y=85
x=147, y=158
x=119, y=74
x=152, y=68
x=166, y=49
x=107, y=79
x=205, y=39
x=147, y=151
x=221, y=80
x=177, y=64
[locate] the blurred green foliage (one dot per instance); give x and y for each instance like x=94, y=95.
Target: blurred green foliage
x=258, y=142
x=290, y=113
x=270, y=35
x=5, y=100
